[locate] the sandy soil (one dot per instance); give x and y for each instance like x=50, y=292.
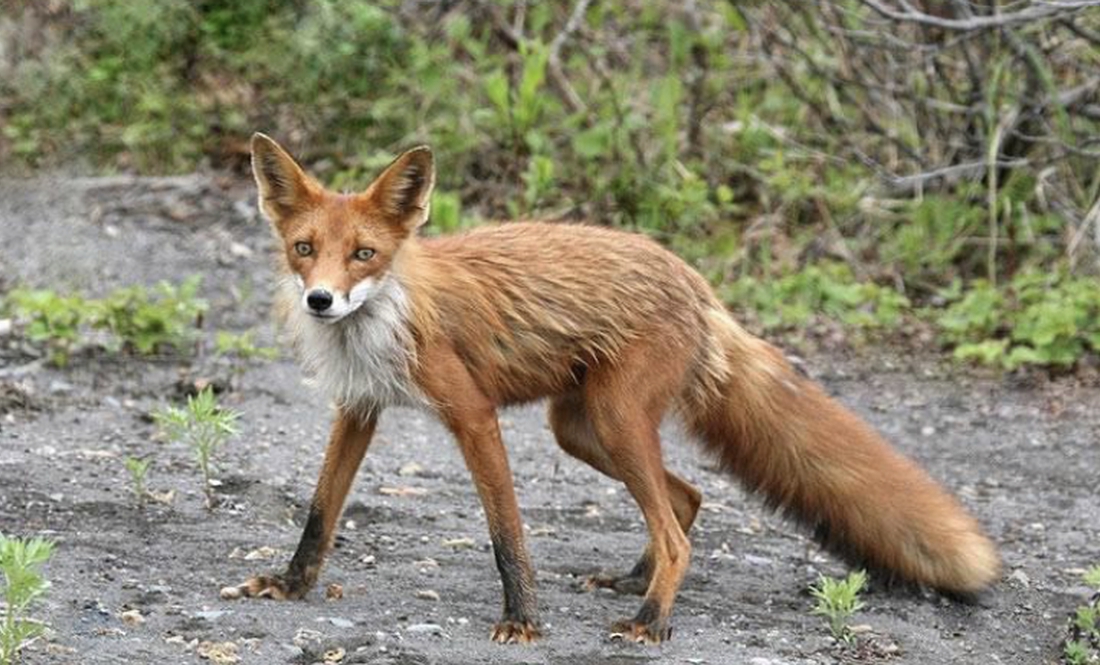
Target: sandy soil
x=413, y=559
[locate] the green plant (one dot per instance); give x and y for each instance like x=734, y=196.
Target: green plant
x=146, y=321
x=1038, y=318
x=51, y=319
x=837, y=600
x=139, y=320
x=1077, y=652
x=1082, y=643
x=202, y=425
x=21, y=563
x=242, y=345
x=829, y=290
x=138, y=469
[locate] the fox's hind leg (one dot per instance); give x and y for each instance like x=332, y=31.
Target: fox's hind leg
x=576, y=435
x=625, y=401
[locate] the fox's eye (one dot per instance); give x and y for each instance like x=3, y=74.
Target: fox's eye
x=364, y=254
x=303, y=248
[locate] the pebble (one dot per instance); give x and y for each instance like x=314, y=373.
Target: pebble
x=410, y=469
x=220, y=653
x=1021, y=578
x=231, y=593
x=339, y=622
x=334, y=591
x=459, y=543
x=430, y=628
x=335, y=655
x=427, y=594
x=210, y=615
x=131, y=617
x=240, y=250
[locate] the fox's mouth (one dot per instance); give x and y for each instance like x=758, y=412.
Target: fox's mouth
x=330, y=316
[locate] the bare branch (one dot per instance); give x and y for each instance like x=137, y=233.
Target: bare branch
x=1037, y=11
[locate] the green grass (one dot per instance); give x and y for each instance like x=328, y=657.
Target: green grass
x=21, y=562
x=837, y=600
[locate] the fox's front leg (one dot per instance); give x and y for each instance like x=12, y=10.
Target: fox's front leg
x=472, y=418
x=479, y=438
x=351, y=435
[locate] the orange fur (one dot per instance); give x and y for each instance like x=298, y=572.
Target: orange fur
x=617, y=331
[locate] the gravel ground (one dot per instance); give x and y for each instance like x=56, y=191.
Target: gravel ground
x=140, y=584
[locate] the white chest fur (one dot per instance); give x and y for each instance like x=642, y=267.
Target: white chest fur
x=362, y=362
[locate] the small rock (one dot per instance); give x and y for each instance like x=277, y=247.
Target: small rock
x=5, y=327
x=258, y=554
x=131, y=617
x=427, y=594
x=335, y=655
x=425, y=628
x=927, y=430
x=210, y=615
x=231, y=593
x=459, y=543
x=860, y=629
x=1021, y=578
x=410, y=469
x=305, y=635
x=334, y=592
x=367, y=560
x=220, y=653
x=59, y=387
x=402, y=491
x=339, y=622
x=239, y=250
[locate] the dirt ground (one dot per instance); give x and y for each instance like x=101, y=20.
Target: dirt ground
x=413, y=557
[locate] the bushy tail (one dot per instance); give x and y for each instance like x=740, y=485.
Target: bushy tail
x=783, y=437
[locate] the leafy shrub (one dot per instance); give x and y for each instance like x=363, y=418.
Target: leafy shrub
x=138, y=319
x=1037, y=319
x=827, y=289
x=50, y=319
x=146, y=321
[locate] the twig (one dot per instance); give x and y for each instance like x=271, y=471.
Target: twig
x=553, y=65
x=1037, y=11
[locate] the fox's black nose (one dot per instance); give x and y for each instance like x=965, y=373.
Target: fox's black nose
x=319, y=300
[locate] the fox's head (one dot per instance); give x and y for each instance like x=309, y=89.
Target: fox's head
x=340, y=247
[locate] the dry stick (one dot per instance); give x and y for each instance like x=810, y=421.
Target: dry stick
x=553, y=64
x=1032, y=13
x=991, y=172
x=1092, y=218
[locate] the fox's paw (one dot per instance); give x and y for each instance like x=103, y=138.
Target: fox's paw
x=629, y=584
x=275, y=587
x=653, y=632
x=518, y=632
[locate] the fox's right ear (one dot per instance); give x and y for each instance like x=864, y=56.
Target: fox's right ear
x=284, y=186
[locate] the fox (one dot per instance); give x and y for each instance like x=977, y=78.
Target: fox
x=615, y=332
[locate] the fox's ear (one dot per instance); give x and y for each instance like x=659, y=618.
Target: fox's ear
x=284, y=186
x=404, y=190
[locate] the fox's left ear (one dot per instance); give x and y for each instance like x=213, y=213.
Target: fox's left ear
x=404, y=190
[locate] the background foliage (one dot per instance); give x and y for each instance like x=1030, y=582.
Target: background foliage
x=853, y=165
